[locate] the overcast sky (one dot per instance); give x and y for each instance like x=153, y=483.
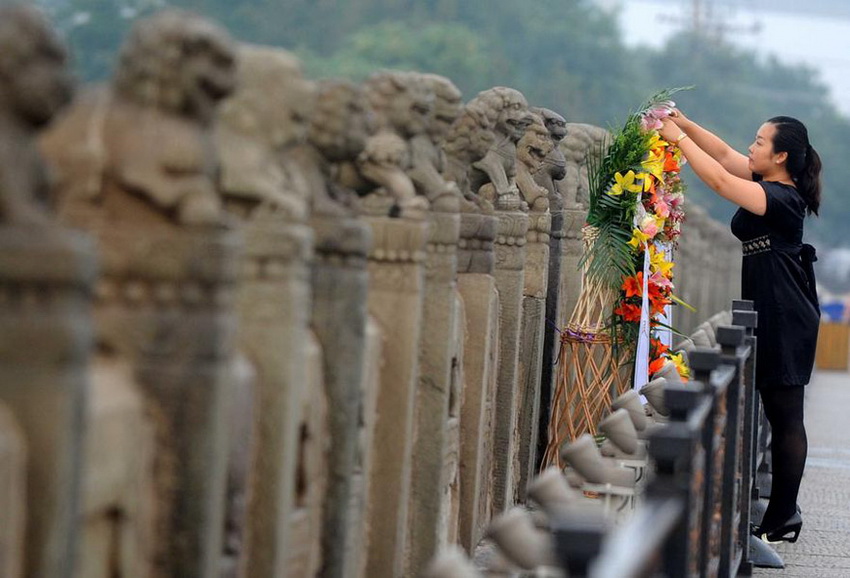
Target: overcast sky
x=815, y=32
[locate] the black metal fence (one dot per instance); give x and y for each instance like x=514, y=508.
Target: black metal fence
x=695, y=517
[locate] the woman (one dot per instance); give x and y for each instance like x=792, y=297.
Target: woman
x=776, y=186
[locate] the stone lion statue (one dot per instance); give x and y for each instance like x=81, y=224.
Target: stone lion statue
x=582, y=141
x=338, y=128
x=481, y=146
x=267, y=115
x=34, y=85
x=555, y=164
x=402, y=103
x=143, y=147
x=428, y=161
x=531, y=153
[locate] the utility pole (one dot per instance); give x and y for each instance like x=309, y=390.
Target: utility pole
x=704, y=24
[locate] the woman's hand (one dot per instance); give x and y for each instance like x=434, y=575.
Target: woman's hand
x=670, y=131
x=679, y=117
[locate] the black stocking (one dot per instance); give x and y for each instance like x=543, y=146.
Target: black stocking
x=783, y=408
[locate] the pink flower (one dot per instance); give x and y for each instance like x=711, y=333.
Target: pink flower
x=649, y=227
x=661, y=209
x=660, y=281
x=649, y=123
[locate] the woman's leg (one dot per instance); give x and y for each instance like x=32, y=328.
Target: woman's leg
x=783, y=408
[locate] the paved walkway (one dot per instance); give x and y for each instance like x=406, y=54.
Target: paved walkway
x=823, y=549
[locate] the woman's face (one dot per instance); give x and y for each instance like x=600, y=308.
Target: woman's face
x=762, y=158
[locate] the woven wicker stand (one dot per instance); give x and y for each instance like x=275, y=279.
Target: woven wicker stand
x=589, y=376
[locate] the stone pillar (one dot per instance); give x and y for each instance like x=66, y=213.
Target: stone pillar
x=274, y=310
x=531, y=348
x=46, y=276
x=551, y=331
x=395, y=300
x=117, y=514
x=449, y=521
x=509, y=275
x=339, y=319
x=166, y=303
x=12, y=494
x=434, y=389
x=480, y=365
x=357, y=543
x=304, y=556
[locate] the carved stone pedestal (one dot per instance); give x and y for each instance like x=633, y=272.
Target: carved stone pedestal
x=358, y=534
x=475, y=246
x=13, y=464
x=437, y=355
x=165, y=304
x=46, y=277
x=551, y=331
x=480, y=365
x=531, y=348
x=510, y=281
x=339, y=317
x=274, y=312
x=396, y=274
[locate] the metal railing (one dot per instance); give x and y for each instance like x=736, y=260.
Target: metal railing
x=695, y=517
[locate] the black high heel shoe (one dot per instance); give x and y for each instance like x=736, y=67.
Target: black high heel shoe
x=787, y=532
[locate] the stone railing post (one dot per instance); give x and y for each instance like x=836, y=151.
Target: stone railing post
x=434, y=390
x=46, y=278
x=166, y=302
x=510, y=279
x=531, y=359
x=477, y=288
x=13, y=481
x=273, y=306
x=339, y=319
x=396, y=275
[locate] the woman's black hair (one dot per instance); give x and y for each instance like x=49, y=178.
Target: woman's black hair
x=803, y=162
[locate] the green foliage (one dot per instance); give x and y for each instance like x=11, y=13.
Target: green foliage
x=567, y=55
x=610, y=257
x=453, y=50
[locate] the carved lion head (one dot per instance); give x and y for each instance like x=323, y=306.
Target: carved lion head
x=535, y=145
x=34, y=82
x=342, y=120
x=273, y=101
x=448, y=104
x=177, y=62
x=402, y=101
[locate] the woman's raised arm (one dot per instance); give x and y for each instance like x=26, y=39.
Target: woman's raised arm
x=731, y=160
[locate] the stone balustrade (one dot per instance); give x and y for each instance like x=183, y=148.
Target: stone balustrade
x=277, y=327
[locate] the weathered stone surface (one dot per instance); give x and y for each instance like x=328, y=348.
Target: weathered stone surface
x=13, y=469
x=144, y=183
x=356, y=547
x=339, y=129
x=480, y=369
x=396, y=270
x=117, y=510
x=46, y=276
x=304, y=557
x=481, y=147
x=554, y=170
x=45, y=340
x=509, y=275
x=274, y=295
x=437, y=358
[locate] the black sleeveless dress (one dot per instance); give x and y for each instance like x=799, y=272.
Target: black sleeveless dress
x=777, y=276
